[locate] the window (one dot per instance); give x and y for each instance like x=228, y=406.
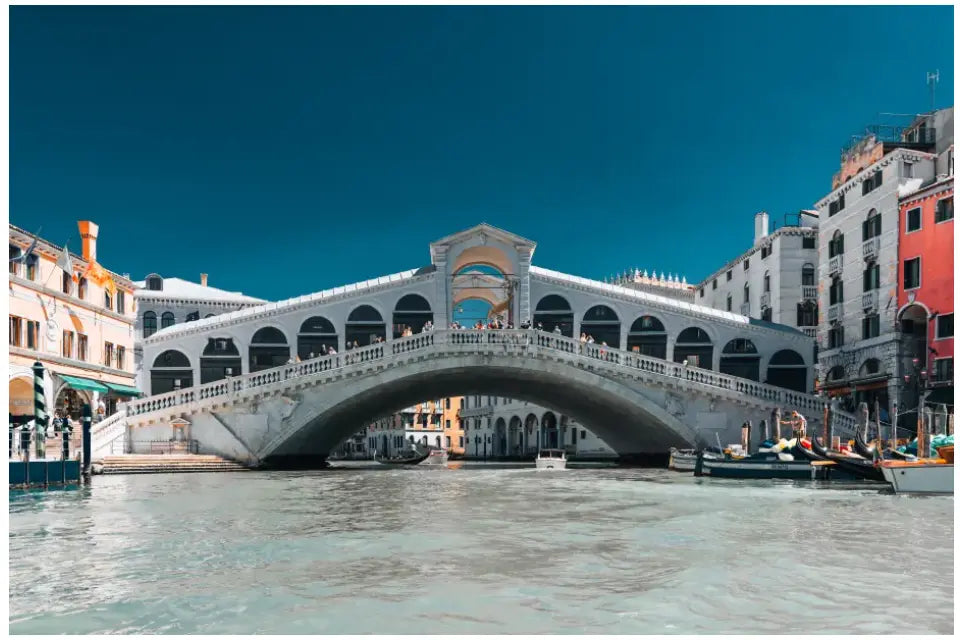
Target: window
x=870, y=326
x=195, y=315
x=746, y=265
x=835, y=337
x=714, y=284
x=583, y=434
x=149, y=324
x=767, y=314
x=32, y=261
x=82, y=288
x=461, y=441
x=121, y=302
x=809, y=243
x=746, y=293
x=166, y=320
x=448, y=403
x=729, y=302
x=15, y=252
x=81, y=347
x=766, y=251
x=837, y=205
x=944, y=326
x=154, y=283
x=729, y=275
x=447, y=425
x=108, y=354
x=808, y=275
x=66, y=283
x=835, y=246
x=907, y=169
x=107, y=300
x=913, y=220
x=766, y=282
x=911, y=273
x=16, y=331
x=121, y=356
x=943, y=369
x=806, y=315
x=872, y=182
x=871, y=226
x=871, y=278
x=33, y=335
x=66, y=347
x=944, y=210
x=836, y=291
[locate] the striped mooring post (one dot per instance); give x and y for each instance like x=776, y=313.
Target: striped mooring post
x=39, y=407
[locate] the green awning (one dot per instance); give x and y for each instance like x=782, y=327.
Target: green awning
x=124, y=390
x=84, y=384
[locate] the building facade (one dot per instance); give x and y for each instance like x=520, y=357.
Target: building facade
x=925, y=294
x=75, y=318
x=166, y=302
x=859, y=256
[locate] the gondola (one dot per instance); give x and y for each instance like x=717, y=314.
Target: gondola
x=858, y=467
x=861, y=447
x=417, y=458
x=802, y=453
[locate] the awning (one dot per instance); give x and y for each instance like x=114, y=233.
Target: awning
x=84, y=384
x=940, y=395
x=124, y=390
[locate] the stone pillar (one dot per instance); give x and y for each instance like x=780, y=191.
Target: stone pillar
x=671, y=345
x=524, y=311
x=443, y=310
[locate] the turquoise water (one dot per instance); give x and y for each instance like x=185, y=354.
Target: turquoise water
x=480, y=549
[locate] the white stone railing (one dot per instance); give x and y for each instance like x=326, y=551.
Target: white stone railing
x=104, y=433
x=835, y=265
x=871, y=248
x=809, y=292
x=513, y=342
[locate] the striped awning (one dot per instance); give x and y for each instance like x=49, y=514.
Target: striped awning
x=84, y=384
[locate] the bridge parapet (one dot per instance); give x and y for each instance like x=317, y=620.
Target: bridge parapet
x=611, y=362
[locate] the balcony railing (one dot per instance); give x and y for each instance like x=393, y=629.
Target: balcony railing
x=870, y=300
x=811, y=332
x=809, y=292
x=871, y=249
x=745, y=309
x=835, y=312
x=835, y=265
x=765, y=299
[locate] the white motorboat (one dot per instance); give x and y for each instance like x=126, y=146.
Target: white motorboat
x=922, y=476
x=552, y=459
x=435, y=457
x=686, y=459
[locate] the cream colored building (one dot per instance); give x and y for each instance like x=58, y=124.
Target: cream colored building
x=78, y=324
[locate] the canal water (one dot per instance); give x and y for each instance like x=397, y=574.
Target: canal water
x=482, y=549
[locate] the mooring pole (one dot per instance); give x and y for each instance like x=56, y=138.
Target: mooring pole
x=776, y=424
x=87, y=414
x=894, y=417
x=876, y=415
x=65, y=450
x=39, y=408
x=863, y=420
x=764, y=430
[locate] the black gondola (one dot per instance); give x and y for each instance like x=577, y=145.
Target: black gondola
x=859, y=467
x=416, y=458
x=800, y=452
x=861, y=447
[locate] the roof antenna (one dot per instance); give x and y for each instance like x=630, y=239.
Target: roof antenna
x=932, y=80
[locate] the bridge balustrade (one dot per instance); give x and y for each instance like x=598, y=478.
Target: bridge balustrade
x=520, y=339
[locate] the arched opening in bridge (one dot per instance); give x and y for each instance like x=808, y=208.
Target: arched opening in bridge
x=171, y=371
x=549, y=431
x=516, y=436
x=694, y=346
x=648, y=337
x=364, y=326
x=483, y=281
x=316, y=336
x=554, y=311
x=268, y=349
x=740, y=358
x=470, y=311
x=602, y=323
x=220, y=360
x=411, y=312
x=500, y=437
x=787, y=369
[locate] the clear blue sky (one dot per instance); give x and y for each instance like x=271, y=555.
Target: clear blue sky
x=286, y=150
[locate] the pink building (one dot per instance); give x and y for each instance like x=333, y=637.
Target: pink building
x=78, y=322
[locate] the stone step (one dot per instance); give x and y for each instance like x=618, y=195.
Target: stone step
x=167, y=463
x=131, y=470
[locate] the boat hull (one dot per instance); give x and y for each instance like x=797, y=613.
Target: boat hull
x=760, y=469
x=555, y=464
x=919, y=478
x=436, y=458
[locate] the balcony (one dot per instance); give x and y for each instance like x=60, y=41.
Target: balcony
x=765, y=300
x=871, y=300
x=745, y=309
x=811, y=332
x=835, y=312
x=871, y=249
x=835, y=265
x=810, y=292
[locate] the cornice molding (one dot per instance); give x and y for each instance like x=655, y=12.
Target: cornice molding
x=69, y=362
x=59, y=295
x=867, y=171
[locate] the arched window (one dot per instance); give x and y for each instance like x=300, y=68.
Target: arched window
x=871, y=226
x=870, y=368
x=836, y=373
x=209, y=315
x=729, y=302
x=220, y=359
x=149, y=324
x=694, y=346
x=554, y=311
x=166, y=320
x=316, y=336
x=602, y=323
x=171, y=370
x=766, y=282
x=788, y=370
x=154, y=282
x=835, y=246
x=193, y=316
x=82, y=288
x=412, y=311
x=808, y=273
x=746, y=293
x=740, y=358
x=268, y=349
x=32, y=263
x=15, y=253
x=648, y=336
x=364, y=326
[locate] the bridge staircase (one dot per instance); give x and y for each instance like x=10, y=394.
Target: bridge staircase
x=166, y=463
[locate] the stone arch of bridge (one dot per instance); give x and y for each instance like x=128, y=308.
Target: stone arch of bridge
x=623, y=416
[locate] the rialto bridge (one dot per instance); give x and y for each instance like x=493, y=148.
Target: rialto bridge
x=255, y=386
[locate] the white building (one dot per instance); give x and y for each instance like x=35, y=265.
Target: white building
x=166, y=302
x=859, y=254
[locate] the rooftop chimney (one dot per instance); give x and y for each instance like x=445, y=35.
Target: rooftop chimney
x=761, y=225
x=203, y=279
x=88, y=231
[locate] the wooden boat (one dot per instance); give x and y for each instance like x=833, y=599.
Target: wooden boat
x=946, y=453
x=758, y=466
x=934, y=476
x=854, y=465
x=411, y=459
x=686, y=459
x=861, y=447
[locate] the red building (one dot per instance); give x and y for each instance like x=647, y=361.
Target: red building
x=925, y=293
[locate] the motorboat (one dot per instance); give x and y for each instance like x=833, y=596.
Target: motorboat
x=436, y=457
x=686, y=459
x=925, y=475
x=552, y=459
